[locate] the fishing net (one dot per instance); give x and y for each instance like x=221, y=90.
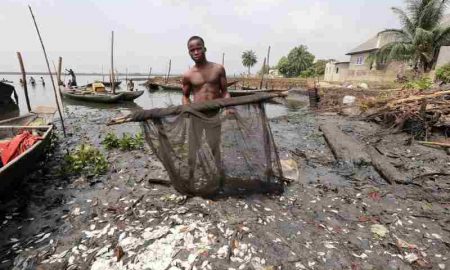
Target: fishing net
x=214, y=147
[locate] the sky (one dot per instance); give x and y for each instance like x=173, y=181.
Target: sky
x=149, y=33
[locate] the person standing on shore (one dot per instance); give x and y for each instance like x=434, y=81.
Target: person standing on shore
x=205, y=81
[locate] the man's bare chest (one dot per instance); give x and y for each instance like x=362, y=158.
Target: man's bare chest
x=199, y=79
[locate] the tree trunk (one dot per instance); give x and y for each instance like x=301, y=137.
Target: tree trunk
x=248, y=70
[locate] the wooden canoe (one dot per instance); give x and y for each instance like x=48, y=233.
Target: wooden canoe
x=131, y=95
x=41, y=115
x=14, y=171
x=87, y=96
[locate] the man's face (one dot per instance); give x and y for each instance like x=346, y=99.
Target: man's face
x=196, y=50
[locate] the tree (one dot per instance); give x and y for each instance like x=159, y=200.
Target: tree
x=319, y=66
x=298, y=60
x=420, y=37
x=249, y=59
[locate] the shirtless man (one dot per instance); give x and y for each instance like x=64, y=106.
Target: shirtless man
x=206, y=81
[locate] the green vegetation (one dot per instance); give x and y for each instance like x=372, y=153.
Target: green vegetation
x=86, y=158
x=298, y=60
x=249, y=59
x=127, y=142
x=419, y=84
x=443, y=73
x=420, y=37
x=317, y=69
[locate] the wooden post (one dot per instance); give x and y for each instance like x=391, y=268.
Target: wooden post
x=262, y=73
x=268, y=66
x=59, y=71
x=113, y=87
x=223, y=59
x=149, y=74
x=168, y=72
x=59, y=86
x=24, y=79
x=126, y=78
x=49, y=72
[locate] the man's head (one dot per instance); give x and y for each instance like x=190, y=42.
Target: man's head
x=197, y=49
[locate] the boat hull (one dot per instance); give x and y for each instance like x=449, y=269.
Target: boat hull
x=14, y=172
x=102, y=98
x=91, y=98
x=131, y=95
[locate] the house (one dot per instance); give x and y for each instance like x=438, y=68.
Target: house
x=359, y=68
x=336, y=71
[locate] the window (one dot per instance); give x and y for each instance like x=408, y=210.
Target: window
x=337, y=70
x=360, y=60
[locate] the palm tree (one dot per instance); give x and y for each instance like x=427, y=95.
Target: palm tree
x=249, y=59
x=420, y=37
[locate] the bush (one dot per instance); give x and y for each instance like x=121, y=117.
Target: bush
x=419, y=84
x=86, y=158
x=443, y=73
x=309, y=73
x=127, y=142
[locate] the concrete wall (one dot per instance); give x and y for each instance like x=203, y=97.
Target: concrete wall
x=346, y=73
x=335, y=72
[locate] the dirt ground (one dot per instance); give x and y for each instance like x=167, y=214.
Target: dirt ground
x=335, y=215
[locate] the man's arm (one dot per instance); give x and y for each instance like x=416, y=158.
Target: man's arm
x=186, y=87
x=223, y=83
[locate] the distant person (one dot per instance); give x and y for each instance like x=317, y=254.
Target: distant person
x=74, y=78
x=42, y=81
x=69, y=83
x=131, y=85
x=32, y=81
x=21, y=82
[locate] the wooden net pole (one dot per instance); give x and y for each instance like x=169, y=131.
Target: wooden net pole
x=49, y=72
x=24, y=79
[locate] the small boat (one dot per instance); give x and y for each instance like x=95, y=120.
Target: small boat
x=89, y=96
x=106, y=84
x=41, y=115
x=85, y=94
x=13, y=172
x=6, y=91
x=131, y=95
x=9, y=110
x=38, y=123
x=6, y=81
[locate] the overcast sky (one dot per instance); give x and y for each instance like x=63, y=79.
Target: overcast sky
x=149, y=33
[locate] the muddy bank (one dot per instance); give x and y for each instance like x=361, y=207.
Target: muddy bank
x=336, y=215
